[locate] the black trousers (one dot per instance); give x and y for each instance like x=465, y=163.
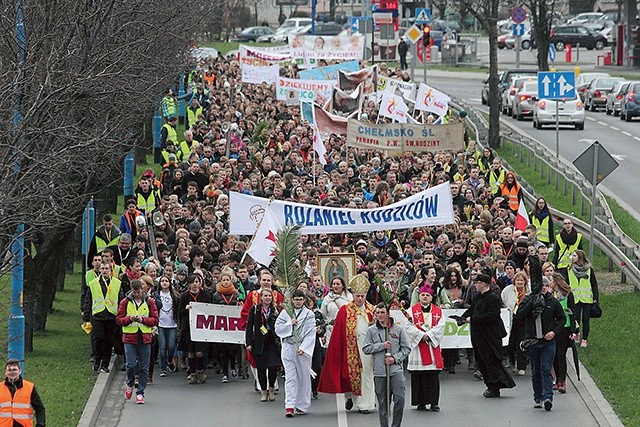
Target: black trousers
x=104, y=331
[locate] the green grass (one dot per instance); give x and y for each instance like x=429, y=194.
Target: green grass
x=625, y=220
x=59, y=364
x=611, y=355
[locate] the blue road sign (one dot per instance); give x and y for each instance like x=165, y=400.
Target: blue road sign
x=423, y=16
x=518, y=29
x=552, y=53
x=354, y=21
x=556, y=85
x=518, y=15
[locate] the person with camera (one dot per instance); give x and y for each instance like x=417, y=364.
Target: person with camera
x=544, y=319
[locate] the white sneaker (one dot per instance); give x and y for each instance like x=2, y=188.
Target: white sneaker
x=225, y=379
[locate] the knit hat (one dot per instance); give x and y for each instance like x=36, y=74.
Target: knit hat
x=483, y=278
x=225, y=289
x=510, y=263
x=522, y=243
x=182, y=269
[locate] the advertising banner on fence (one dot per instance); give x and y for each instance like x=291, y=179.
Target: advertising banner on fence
x=304, y=90
x=329, y=72
x=220, y=323
x=429, y=207
x=405, y=137
x=327, y=47
x=257, y=75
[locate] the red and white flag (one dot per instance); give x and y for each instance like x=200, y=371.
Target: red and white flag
x=522, y=218
x=318, y=143
x=263, y=246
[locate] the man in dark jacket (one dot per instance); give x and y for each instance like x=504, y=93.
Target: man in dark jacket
x=544, y=318
x=403, y=48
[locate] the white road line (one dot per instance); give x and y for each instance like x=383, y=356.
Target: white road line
x=626, y=133
x=602, y=123
x=342, y=413
x=592, y=119
x=614, y=128
x=636, y=138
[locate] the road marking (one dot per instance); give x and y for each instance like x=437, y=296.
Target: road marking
x=636, y=138
x=342, y=412
x=602, y=123
x=614, y=128
x=592, y=119
x=626, y=133
x=619, y=157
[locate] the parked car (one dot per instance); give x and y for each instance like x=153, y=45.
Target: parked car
x=444, y=25
x=288, y=26
x=524, y=100
x=587, y=17
x=502, y=41
x=614, y=98
x=509, y=95
x=596, y=94
x=570, y=112
x=630, y=105
x=251, y=34
x=583, y=80
x=574, y=34
x=284, y=37
x=526, y=41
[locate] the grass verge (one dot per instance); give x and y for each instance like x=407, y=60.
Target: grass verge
x=625, y=220
x=59, y=364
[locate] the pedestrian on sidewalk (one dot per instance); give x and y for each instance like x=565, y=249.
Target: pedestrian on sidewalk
x=137, y=315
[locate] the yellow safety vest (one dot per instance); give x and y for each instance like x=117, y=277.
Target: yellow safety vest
x=108, y=301
x=495, y=183
x=542, y=229
x=565, y=251
x=581, y=288
x=102, y=244
x=17, y=408
x=172, y=135
x=192, y=116
x=148, y=204
x=185, y=149
x=90, y=276
x=142, y=311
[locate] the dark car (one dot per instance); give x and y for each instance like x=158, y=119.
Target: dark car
x=327, y=29
x=576, y=34
x=597, y=91
x=251, y=34
x=630, y=105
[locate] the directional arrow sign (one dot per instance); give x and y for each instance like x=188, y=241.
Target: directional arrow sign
x=556, y=85
x=518, y=29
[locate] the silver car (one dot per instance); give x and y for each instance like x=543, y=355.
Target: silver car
x=524, y=101
x=509, y=93
x=614, y=98
x=597, y=91
x=570, y=112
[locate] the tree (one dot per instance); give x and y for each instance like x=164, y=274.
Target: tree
x=486, y=12
x=89, y=81
x=541, y=21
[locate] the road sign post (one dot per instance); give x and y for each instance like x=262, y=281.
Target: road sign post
x=518, y=32
x=558, y=86
x=595, y=163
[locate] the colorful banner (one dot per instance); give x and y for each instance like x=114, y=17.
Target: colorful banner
x=215, y=323
x=394, y=107
x=457, y=336
x=346, y=104
x=329, y=72
x=257, y=75
x=387, y=84
x=327, y=47
x=432, y=100
x=263, y=57
x=304, y=90
x=405, y=137
x=367, y=77
x=427, y=208
x=220, y=323
x=329, y=123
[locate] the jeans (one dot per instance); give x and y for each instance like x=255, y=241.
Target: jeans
x=542, y=356
x=397, y=389
x=166, y=345
x=137, y=355
x=583, y=310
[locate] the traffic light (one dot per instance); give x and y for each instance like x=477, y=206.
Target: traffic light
x=426, y=35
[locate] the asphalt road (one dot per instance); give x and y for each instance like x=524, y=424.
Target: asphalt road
x=620, y=138
x=172, y=402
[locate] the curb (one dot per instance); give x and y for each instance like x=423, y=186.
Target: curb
x=98, y=394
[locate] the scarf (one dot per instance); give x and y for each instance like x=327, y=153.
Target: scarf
x=133, y=276
x=542, y=214
x=581, y=272
x=569, y=238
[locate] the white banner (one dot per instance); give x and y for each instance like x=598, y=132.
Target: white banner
x=215, y=323
x=327, y=47
x=393, y=107
x=263, y=57
x=457, y=336
x=220, y=323
x=257, y=75
x=387, y=84
x=432, y=100
x=427, y=208
x=304, y=90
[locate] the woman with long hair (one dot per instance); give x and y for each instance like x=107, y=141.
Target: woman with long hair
x=262, y=342
x=563, y=293
x=541, y=218
x=512, y=296
x=453, y=286
x=583, y=283
x=167, y=325
x=338, y=296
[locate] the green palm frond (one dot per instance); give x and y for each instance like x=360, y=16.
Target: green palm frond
x=287, y=269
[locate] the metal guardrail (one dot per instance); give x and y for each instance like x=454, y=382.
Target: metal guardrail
x=608, y=236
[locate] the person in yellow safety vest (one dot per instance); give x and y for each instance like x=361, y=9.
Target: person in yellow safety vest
x=168, y=105
x=171, y=150
x=584, y=286
x=19, y=399
x=567, y=241
x=186, y=146
x=107, y=234
x=511, y=191
x=147, y=197
x=484, y=159
x=193, y=111
x=168, y=133
x=541, y=218
x=101, y=306
x=137, y=315
x=496, y=175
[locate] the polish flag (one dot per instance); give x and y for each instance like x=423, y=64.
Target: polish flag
x=522, y=218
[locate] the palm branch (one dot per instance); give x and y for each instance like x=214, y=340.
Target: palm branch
x=286, y=266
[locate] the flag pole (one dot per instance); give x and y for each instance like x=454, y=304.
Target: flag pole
x=255, y=231
x=313, y=167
